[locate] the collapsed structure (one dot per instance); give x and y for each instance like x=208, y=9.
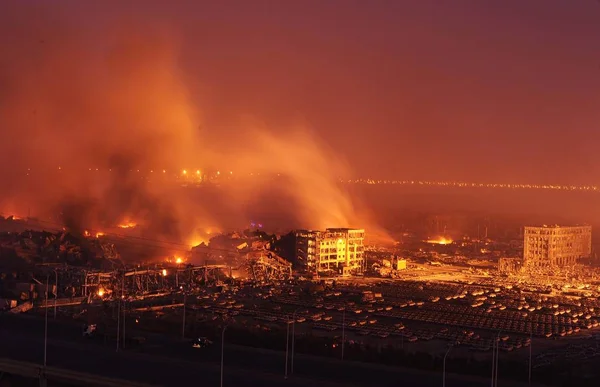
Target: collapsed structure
x=339, y=250
x=556, y=246
x=247, y=254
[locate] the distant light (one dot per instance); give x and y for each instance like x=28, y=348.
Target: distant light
x=178, y=260
x=164, y=272
x=231, y=172
x=59, y=167
x=151, y=171
x=197, y=172
x=100, y=292
x=184, y=172
x=164, y=171
x=218, y=173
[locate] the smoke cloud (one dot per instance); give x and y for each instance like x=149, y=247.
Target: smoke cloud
x=98, y=123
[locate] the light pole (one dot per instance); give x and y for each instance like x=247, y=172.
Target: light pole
x=46, y=324
x=287, y=344
x=493, y=360
x=293, y=339
x=444, y=364
x=495, y=381
x=56, y=292
x=343, y=331
x=530, y=344
x=222, y=351
x=183, y=324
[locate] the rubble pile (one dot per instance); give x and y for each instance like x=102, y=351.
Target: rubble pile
x=35, y=247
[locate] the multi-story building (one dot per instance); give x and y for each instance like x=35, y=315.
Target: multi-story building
x=335, y=249
x=556, y=246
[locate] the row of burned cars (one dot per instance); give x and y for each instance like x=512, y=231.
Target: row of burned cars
x=400, y=312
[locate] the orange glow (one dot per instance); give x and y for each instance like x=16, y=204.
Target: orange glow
x=100, y=292
x=86, y=233
x=184, y=172
x=178, y=260
x=99, y=234
x=440, y=241
x=164, y=272
x=128, y=225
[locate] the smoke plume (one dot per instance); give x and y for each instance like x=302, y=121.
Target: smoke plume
x=99, y=123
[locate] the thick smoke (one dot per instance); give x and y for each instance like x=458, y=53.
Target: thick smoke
x=84, y=113
x=98, y=122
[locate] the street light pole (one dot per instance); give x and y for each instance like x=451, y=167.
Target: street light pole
x=46, y=324
x=444, y=365
x=287, y=344
x=183, y=324
x=56, y=292
x=343, y=331
x=118, y=322
x=222, y=351
x=293, y=339
x=530, y=344
x=497, y=358
x=493, y=360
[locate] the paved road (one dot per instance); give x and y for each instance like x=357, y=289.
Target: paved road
x=165, y=362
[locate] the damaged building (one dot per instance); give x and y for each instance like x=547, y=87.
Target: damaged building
x=339, y=250
x=556, y=246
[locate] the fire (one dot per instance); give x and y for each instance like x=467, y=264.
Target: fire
x=86, y=233
x=128, y=225
x=100, y=292
x=99, y=234
x=440, y=241
x=178, y=260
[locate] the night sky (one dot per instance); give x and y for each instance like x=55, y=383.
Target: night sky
x=495, y=90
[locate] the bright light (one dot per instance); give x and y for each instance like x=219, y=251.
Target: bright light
x=100, y=292
x=86, y=233
x=440, y=241
x=184, y=172
x=197, y=172
x=164, y=171
x=99, y=234
x=164, y=272
x=218, y=173
x=128, y=225
x=178, y=260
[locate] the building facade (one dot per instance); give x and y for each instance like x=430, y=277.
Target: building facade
x=556, y=246
x=336, y=249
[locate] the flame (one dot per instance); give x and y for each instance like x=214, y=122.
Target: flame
x=127, y=225
x=178, y=260
x=440, y=241
x=86, y=233
x=100, y=292
x=99, y=234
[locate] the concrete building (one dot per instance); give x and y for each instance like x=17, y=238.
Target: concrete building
x=336, y=249
x=556, y=246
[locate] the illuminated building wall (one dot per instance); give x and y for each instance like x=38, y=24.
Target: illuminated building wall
x=337, y=249
x=556, y=246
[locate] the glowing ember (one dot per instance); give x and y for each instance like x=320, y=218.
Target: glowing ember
x=128, y=225
x=440, y=241
x=100, y=292
x=99, y=234
x=86, y=233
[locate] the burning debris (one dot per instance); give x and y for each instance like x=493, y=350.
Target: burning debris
x=35, y=247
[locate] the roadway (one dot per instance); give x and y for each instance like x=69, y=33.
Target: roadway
x=166, y=362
